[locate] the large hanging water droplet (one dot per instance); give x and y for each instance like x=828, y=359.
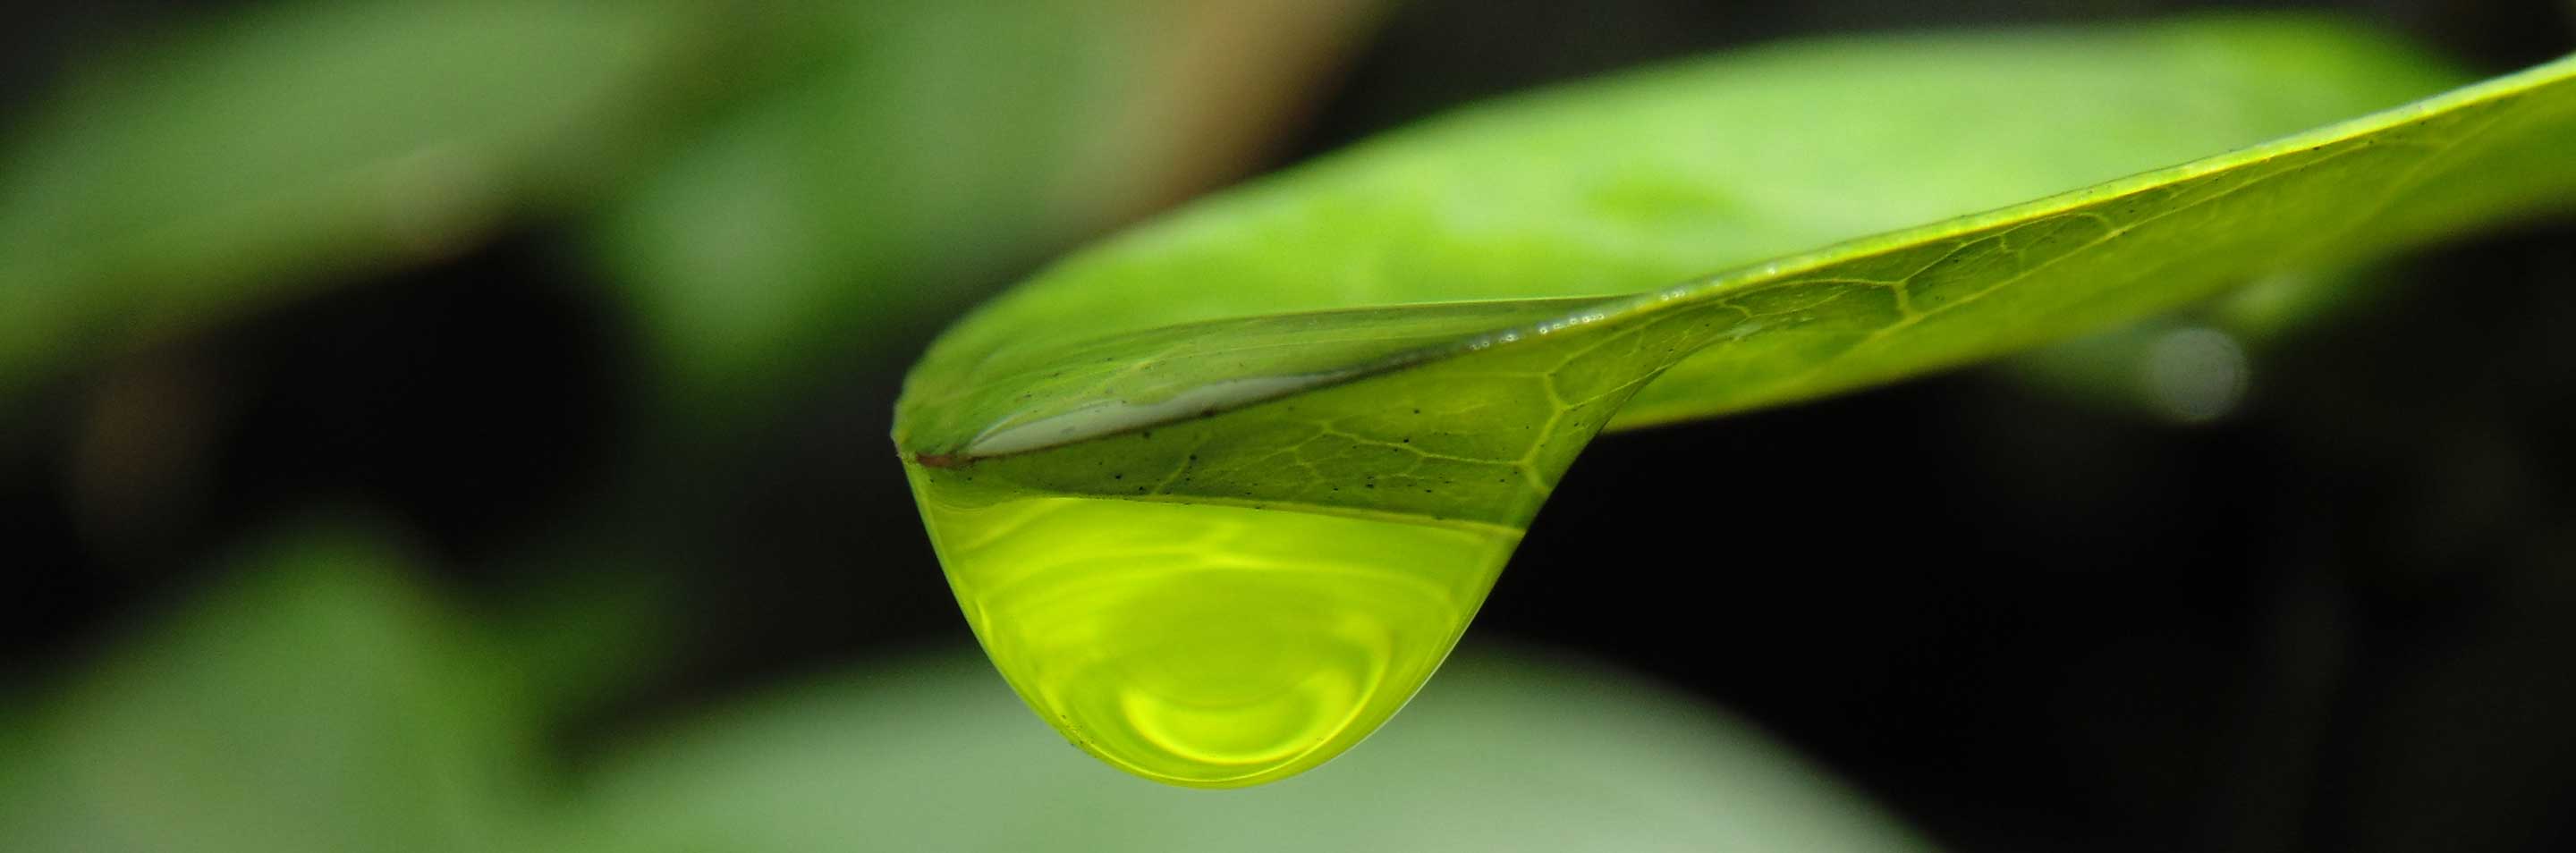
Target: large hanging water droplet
x=1207, y=645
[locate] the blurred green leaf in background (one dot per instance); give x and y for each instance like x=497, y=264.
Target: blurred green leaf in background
x=917, y=155
x=216, y=167
x=321, y=700
x=780, y=175
x=1515, y=752
x=315, y=700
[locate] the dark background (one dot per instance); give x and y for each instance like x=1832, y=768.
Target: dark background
x=2339, y=619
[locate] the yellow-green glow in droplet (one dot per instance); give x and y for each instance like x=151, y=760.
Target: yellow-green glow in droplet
x=1203, y=645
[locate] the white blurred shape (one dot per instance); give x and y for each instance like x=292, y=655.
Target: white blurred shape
x=2196, y=374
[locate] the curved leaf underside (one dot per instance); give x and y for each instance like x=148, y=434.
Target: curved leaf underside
x=1426, y=329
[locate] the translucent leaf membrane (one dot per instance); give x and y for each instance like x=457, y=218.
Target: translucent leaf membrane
x=1203, y=644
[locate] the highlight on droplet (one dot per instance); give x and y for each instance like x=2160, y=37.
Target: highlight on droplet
x=1206, y=645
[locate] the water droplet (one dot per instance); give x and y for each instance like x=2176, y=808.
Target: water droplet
x=1203, y=645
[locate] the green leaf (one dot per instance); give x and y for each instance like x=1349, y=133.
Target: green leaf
x=316, y=701
x=920, y=141
x=1522, y=753
x=226, y=162
x=1260, y=460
